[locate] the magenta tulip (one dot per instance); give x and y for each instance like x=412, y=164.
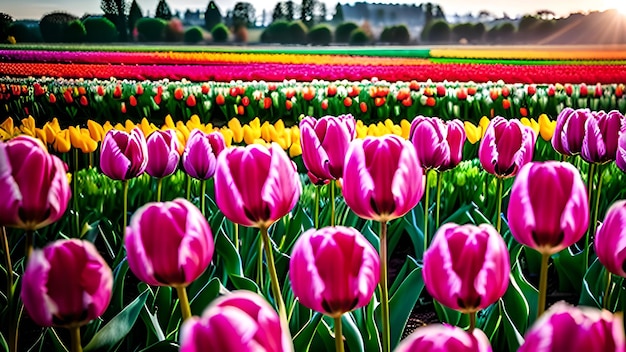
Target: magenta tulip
x=610, y=240
x=439, y=144
x=200, y=155
x=240, y=321
x=548, y=208
x=334, y=270
x=168, y=243
x=466, y=267
x=601, y=136
x=569, y=328
x=123, y=155
x=620, y=159
x=444, y=338
x=570, y=130
x=382, y=177
x=66, y=284
x=325, y=143
x=34, y=186
x=163, y=153
x=255, y=185
x=506, y=147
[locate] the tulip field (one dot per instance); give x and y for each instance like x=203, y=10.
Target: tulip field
x=316, y=199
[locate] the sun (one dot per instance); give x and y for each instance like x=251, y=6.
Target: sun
x=619, y=5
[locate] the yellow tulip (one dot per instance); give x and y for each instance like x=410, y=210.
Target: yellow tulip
x=279, y=126
x=406, y=128
x=39, y=133
x=183, y=129
x=107, y=127
x=129, y=126
x=118, y=126
x=266, y=131
x=295, y=150
x=228, y=136
x=530, y=123
x=235, y=127
x=484, y=123
x=250, y=133
x=194, y=122
x=8, y=130
x=80, y=139
x=546, y=127
x=474, y=133
x=28, y=126
x=169, y=123
x=146, y=127
x=62, y=142
x=90, y=144
x=361, y=129
x=96, y=131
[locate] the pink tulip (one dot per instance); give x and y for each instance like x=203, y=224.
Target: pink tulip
x=240, y=321
x=570, y=130
x=67, y=283
x=568, y=328
x=324, y=144
x=601, y=137
x=466, y=267
x=168, y=243
x=548, y=209
x=620, y=159
x=123, y=155
x=34, y=186
x=201, y=151
x=163, y=153
x=610, y=240
x=333, y=270
x=444, y=338
x=255, y=185
x=382, y=177
x=506, y=147
x=439, y=144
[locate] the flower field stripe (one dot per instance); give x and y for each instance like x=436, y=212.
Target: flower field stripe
x=451, y=60
x=533, y=53
x=603, y=74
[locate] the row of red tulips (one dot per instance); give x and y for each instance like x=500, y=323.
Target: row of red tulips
x=76, y=101
x=382, y=180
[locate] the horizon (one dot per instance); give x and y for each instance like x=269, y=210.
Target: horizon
x=36, y=9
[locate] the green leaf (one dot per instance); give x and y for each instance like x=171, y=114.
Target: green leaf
x=569, y=267
x=116, y=329
x=594, y=284
x=354, y=340
x=302, y=340
x=162, y=346
x=402, y=302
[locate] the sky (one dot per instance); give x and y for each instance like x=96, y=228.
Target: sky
x=35, y=9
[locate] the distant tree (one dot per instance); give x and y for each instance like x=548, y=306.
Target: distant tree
x=53, y=26
x=75, y=32
x=276, y=32
x=297, y=32
x=115, y=11
x=23, y=33
x=436, y=31
x=163, y=11
x=134, y=14
x=338, y=16
x=243, y=15
x=343, y=30
x=5, y=22
x=100, y=30
x=220, y=33
x=320, y=12
x=320, y=35
x=194, y=35
x=263, y=17
x=278, y=13
x=290, y=10
x=212, y=16
x=306, y=12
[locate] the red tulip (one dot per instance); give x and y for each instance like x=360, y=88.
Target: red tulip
x=325, y=143
x=123, y=155
x=610, y=240
x=506, y=147
x=240, y=321
x=601, y=135
x=569, y=328
x=444, y=338
x=382, y=177
x=66, y=284
x=570, y=131
x=333, y=270
x=168, y=243
x=34, y=187
x=255, y=185
x=548, y=209
x=201, y=151
x=439, y=144
x=163, y=153
x=466, y=267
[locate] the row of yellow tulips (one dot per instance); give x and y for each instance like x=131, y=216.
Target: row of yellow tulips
x=87, y=138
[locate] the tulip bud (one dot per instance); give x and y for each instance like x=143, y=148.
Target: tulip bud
x=568, y=328
x=123, y=155
x=439, y=144
x=553, y=200
x=382, y=177
x=333, y=270
x=34, y=188
x=506, y=147
x=444, y=338
x=610, y=240
x=201, y=152
x=163, y=153
x=168, y=243
x=474, y=261
x=601, y=135
x=240, y=321
x=66, y=284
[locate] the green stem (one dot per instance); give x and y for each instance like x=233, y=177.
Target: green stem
x=384, y=293
x=236, y=236
x=125, y=200
x=75, y=194
x=332, y=202
x=596, y=207
x=338, y=335
x=203, y=196
x=438, y=201
x=183, y=301
x=426, y=206
x=543, y=284
x=472, y=320
x=259, y=269
x=607, y=290
x=90, y=160
x=75, y=338
x=317, y=207
x=29, y=242
x=159, y=189
x=278, y=297
x=188, y=193
x=11, y=309
x=500, y=183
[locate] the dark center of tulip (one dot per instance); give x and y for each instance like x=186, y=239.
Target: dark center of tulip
x=69, y=319
x=469, y=304
x=387, y=206
x=547, y=240
x=501, y=170
x=339, y=306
